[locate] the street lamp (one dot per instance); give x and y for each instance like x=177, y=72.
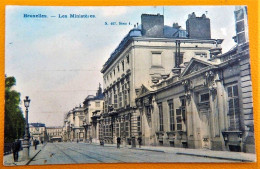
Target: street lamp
x=26, y=146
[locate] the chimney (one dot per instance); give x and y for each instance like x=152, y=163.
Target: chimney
x=152, y=25
x=198, y=27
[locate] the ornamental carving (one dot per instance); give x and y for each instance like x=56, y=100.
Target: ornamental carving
x=210, y=81
x=187, y=88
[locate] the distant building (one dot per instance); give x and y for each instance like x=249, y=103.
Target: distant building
x=38, y=131
x=147, y=55
x=93, y=106
x=81, y=123
x=73, y=125
x=55, y=134
x=204, y=104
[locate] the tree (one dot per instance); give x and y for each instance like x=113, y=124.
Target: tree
x=14, y=120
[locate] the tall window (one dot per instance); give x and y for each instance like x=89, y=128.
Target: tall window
x=139, y=124
x=233, y=107
x=122, y=127
x=117, y=129
x=126, y=125
x=115, y=99
x=123, y=65
x=127, y=59
x=171, y=112
x=160, y=116
x=125, y=94
x=120, y=97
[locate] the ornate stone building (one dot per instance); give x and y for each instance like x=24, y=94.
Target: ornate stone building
x=203, y=103
x=146, y=55
x=55, y=134
x=38, y=131
x=93, y=106
x=73, y=125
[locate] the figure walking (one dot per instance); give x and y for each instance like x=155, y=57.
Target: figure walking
x=118, y=140
x=35, y=144
x=139, y=141
x=16, y=146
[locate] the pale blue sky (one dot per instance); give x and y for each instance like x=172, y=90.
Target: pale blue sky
x=57, y=62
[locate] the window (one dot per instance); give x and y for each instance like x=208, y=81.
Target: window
x=125, y=94
x=160, y=116
x=126, y=128
x=110, y=98
x=204, y=97
x=179, y=119
x=97, y=104
x=182, y=33
x=233, y=108
x=117, y=129
x=171, y=112
x=118, y=69
x=114, y=72
x=122, y=134
x=123, y=65
x=115, y=99
x=139, y=124
x=127, y=59
x=156, y=59
x=120, y=97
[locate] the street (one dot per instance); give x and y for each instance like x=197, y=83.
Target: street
x=74, y=153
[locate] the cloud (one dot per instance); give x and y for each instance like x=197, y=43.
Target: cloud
x=224, y=31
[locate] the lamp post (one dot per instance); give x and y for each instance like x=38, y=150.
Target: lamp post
x=26, y=146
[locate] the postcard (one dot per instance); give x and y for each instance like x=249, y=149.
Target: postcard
x=127, y=84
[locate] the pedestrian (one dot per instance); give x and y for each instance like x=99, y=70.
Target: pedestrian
x=35, y=144
x=77, y=140
x=14, y=148
x=18, y=148
x=118, y=140
x=139, y=141
x=42, y=141
x=90, y=139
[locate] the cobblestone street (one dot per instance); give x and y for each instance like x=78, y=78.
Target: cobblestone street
x=64, y=153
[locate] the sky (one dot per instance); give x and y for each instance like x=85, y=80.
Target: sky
x=57, y=61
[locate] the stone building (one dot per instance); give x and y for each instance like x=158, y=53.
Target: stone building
x=55, y=134
x=144, y=56
x=203, y=103
x=73, y=129
x=38, y=131
x=93, y=106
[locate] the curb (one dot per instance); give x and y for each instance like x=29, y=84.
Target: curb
x=30, y=160
x=159, y=151
x=215, y=157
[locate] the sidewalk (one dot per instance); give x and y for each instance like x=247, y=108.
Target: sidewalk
x=8, y=160
x=226, y=155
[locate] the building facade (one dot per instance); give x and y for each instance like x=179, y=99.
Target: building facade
x=55, y=134
x=146, y=55
x=73, y=129
x=38, y=131
x=205, y=103
x=93, y=107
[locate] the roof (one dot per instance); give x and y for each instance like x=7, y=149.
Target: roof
x=37, y=124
